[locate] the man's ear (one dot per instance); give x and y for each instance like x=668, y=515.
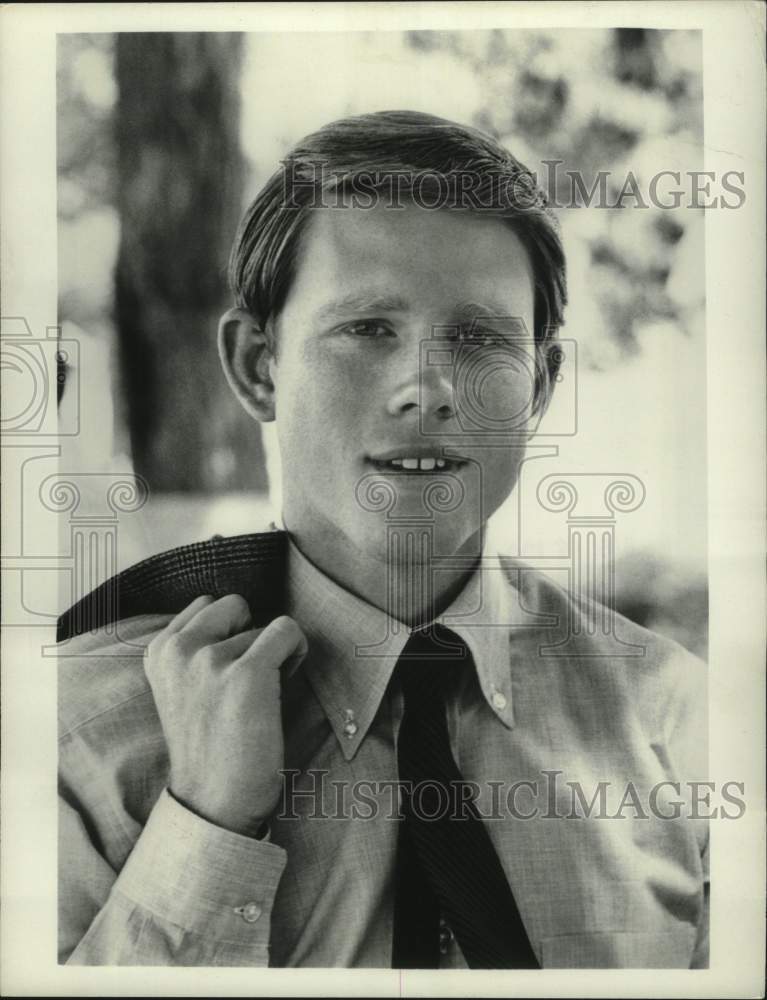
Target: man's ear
x=245, y=354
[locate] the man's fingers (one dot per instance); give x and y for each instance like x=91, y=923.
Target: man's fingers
x=224, y=627
x=185, y=616
x=229, y=650
x=280, y=641
x=219, y=620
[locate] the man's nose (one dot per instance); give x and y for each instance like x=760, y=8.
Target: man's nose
x=425, y=390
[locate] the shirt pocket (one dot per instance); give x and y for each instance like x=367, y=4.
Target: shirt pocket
x=620, y=950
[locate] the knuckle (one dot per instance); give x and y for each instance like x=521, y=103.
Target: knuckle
x=206, y=658
x=154, y=667
x=247, y=638
x=174, y=647
x=286, y=637
x=149, y=664
x=153, y=648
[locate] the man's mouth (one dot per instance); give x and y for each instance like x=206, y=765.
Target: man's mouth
x=420, y=463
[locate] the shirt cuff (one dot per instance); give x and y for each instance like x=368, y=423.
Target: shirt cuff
x=201, y=877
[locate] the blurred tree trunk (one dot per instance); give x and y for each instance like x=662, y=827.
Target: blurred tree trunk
x=180, y=174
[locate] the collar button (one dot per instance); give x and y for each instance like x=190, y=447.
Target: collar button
x=350, y=726
x=250, y=912
x=499, y=700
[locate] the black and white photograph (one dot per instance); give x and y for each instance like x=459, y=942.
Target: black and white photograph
x=383, y=445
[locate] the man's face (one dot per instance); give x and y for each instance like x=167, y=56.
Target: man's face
x=360, y=395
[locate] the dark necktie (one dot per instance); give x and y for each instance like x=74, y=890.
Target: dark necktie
x=446, y=862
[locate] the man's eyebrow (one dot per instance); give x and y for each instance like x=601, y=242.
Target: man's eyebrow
x=363, y=302
x=488, y=309
x=357, y=303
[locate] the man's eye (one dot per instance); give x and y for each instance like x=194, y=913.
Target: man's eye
x=370, y=329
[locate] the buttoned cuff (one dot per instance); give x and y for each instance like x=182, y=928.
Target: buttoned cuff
x=203, y=878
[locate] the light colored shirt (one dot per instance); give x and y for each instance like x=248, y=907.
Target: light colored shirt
x=553, y=735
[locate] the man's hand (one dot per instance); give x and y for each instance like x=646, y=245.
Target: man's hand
x=216, y=684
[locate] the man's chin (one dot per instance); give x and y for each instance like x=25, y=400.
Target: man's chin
x=413, y=541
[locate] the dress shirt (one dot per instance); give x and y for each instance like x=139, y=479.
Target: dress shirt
x=145, y=881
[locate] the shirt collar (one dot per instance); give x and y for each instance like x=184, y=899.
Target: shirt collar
x=354, y=646
x=482, y=615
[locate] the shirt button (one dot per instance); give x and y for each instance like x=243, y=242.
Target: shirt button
x=499, y=699
x=350, y=726
x=250, y=912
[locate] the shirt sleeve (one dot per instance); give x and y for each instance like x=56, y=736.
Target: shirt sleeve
x=688, y=746
x=190, y=893
x=700, y=956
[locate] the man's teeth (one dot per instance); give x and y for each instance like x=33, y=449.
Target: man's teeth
x=422, y=464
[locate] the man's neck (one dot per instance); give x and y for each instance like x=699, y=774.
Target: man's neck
x=408, y=585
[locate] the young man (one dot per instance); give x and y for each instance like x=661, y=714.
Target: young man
x=349, y=743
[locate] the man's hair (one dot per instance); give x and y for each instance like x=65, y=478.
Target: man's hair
x=386, y=155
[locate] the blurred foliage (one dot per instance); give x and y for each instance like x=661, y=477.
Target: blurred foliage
x=86, y=94
x=595, y=99
x=658, y=596
x=613, y=100
x=88, y=221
